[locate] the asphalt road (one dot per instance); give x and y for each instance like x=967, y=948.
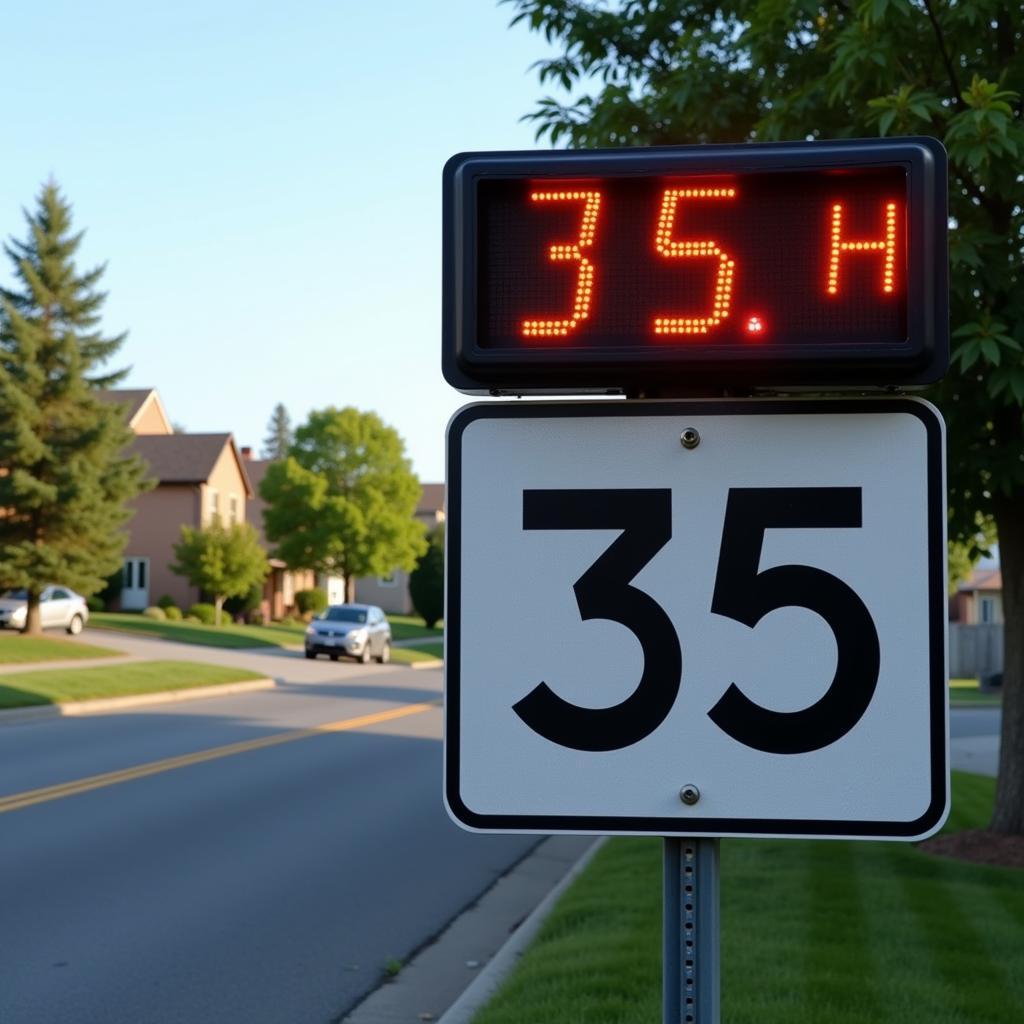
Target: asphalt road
x=269, y=884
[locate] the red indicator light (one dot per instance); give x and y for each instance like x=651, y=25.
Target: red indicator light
x=664, y=243
x=886, y=245
x=556, y=328
x=755, y=326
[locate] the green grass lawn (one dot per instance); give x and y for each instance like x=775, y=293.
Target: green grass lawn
x=403, y=627
x=16, y=649
x=410, y=627
x=426, y=651
x=812, y=933
x=233, y=636
x=53, y=686
x=966, y=691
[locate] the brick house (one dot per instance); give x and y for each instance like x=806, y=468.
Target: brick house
x=978, y=601
x=198, y=476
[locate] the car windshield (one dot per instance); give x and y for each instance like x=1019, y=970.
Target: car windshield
x=342, y=614
x=16, y=595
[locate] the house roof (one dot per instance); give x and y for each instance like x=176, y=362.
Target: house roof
x=186, y=458
x=257, y=470
x=135, y=400
x=432, y=499
x=983, y=579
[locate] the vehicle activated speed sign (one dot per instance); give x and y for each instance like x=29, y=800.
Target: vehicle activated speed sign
x=697, y=617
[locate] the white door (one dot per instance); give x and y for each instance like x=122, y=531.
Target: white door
x=135, y=592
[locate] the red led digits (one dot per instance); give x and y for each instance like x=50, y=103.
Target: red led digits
x=886, y=245
x=671, y=325
x=573, y=252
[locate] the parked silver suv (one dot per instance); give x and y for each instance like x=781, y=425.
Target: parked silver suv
x=59, y=607
x=360, y=631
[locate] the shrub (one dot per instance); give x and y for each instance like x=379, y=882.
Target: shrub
x=246, y=603
x=166, y=602
x=204, y=612
x=255, y=618
x=191, y=619
x=155, y=612
x=426, y=583
x=173, y=613
x=95, y=604
x=112, y=588
x=291, y=620
x=314, y=600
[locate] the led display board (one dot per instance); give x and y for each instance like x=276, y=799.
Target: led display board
x=678, y=269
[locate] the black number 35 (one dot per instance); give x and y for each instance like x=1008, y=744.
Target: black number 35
x=742, y=593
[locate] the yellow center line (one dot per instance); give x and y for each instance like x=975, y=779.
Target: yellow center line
x=16, y=801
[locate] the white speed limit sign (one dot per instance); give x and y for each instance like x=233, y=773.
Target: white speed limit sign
x=701, y=618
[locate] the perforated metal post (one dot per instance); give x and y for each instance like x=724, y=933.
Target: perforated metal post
x=690, y=979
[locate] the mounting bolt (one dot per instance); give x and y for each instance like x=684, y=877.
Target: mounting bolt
x=689, y=794
x=689, y=438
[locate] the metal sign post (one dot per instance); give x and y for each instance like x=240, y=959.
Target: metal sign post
x=690, y=975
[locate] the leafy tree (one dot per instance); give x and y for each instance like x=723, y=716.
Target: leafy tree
x=644, y=72
x=343, y=500
x=965, y=554
x=66, y=481
x=224, y=561
x=279, y=434
x=426, y=584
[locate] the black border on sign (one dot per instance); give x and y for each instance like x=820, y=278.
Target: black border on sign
x=701, y=826
x=675, y=371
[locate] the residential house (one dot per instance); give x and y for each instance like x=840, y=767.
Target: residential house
x=197, y=476
x=978, y=601
x=392, y=592
x=281, y=584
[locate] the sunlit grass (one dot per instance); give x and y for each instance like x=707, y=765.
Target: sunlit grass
x=812, y=932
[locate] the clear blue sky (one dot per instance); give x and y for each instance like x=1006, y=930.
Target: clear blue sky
x=264, y=182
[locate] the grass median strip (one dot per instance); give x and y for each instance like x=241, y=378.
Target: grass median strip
x=425, y=651
x=28, y=798
x=16, y=649
x=841, y=932
x=56, y=686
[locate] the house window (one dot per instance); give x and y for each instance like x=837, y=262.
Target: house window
x=233, y=509
x=387, y=581
x=214, y=499
x=986, y=610
x=128, y=572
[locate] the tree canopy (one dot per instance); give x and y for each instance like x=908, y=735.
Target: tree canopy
x=650, y=72
x=224, y=561
x=426, y=582
x=344, y=500
x=66, y=480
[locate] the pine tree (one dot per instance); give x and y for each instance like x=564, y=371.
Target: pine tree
x=64, y=477
x=279, y=435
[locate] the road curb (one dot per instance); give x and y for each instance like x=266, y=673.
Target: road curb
x=72, y=709
x=498, y=968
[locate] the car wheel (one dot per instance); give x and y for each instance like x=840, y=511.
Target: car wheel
x=311, y=655
x=334, y=656
x=75, y=625
x=385, y=653
x=364, y=658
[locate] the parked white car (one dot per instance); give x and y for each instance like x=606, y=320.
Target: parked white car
x=59, y=608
